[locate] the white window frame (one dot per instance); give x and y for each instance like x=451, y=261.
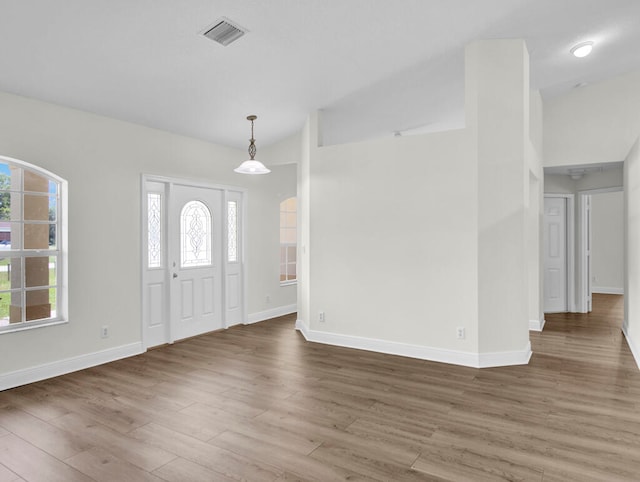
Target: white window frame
x=61, y=252
x=286, y=246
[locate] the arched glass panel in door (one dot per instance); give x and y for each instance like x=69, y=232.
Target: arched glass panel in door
x=195, y=235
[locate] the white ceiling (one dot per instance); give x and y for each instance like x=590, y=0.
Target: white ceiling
x=374, y=66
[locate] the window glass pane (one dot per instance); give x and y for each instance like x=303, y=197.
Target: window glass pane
x=154, y=229
x=10, y=178
x=34, y=182
x=53, y=270
x=40, y=271
x=288, y=235
x=290, y=204
x=10, y=307
x=39, y=236
x=53, y=301
x=9, y=235
x=39, y=207
x=53, y=208
x=5, y=205
x=53, y=187
x=38, y=304
x=195, y=235
x=10, y=206
x=10, y=275
x=288, y=239
x=232, y=231
x=53, y=236
x=291, y=254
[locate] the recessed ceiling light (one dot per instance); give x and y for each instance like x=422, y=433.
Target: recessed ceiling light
x=582, y=49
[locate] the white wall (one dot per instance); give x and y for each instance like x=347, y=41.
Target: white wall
x=631, y=325
x=287, y=151
x=592, y=124
x=265, y=196
x=394, y=239
x=535, y=210
x=559, y=184
x=103, y=160
x=607, y=246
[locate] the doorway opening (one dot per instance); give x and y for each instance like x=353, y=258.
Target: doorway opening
x=584, y=183
x=601, y=245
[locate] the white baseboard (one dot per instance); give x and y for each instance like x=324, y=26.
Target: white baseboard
x=505, y=358
x=302, y=327
x=607, y=290
x=68, y=365
x=469, y=359
x=272, y=313
x=536, y=325
x=635, y=350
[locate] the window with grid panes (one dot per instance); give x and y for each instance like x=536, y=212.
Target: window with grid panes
x=288, y=240
x=31, y=264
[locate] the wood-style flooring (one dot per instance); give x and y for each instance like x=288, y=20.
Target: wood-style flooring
x=258, y=403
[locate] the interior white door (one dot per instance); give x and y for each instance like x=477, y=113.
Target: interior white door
x=555, y=254
x=196, y=261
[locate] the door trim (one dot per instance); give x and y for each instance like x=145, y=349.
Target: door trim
x=570, y=265
x=169, y=183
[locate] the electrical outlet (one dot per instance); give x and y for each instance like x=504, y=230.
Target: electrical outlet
x=460, y=333
x=104, y=332
x=321, y=316
x=268, y=299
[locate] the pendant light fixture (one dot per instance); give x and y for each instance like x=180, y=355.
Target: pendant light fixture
x=252, y=166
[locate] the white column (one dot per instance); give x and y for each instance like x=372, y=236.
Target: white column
x=310, y=141
x=497, y=105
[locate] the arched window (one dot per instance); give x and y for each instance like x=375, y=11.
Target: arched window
x=288, y=240
x=195, y=235
x=32, y=266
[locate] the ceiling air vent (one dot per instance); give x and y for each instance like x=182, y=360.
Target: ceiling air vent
x=224, y=32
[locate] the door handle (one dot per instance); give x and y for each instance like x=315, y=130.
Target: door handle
x=175, y=275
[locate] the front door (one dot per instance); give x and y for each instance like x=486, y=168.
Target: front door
x=195, y=261
x=555, y=254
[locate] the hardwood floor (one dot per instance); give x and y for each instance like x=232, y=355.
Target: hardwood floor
x=259, y=403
